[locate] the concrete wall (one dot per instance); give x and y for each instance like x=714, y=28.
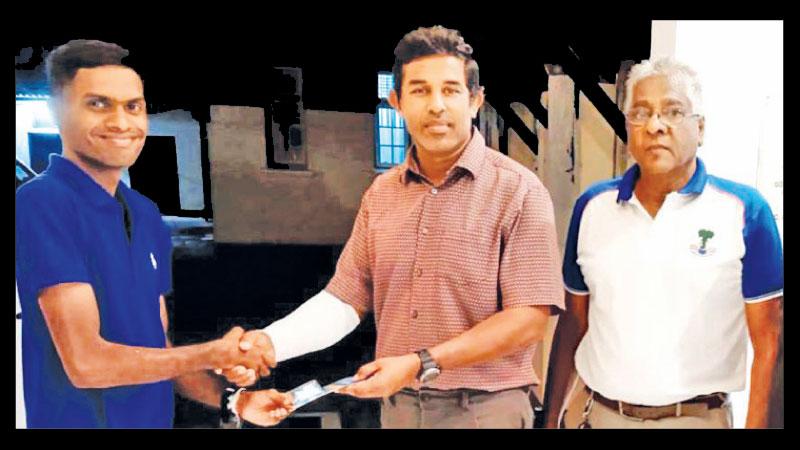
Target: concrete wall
x=253, y=204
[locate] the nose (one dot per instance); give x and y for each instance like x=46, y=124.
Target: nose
x=436, y=104
x=655, y=124
x=118, y=120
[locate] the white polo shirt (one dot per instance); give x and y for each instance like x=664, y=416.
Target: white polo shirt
x=667, y=294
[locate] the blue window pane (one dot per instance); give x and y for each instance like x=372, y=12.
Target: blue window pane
x=385, y=155
x=385, y=84
x=398, y=121
x=399, y=137
x=385, y=136
x=399, y=154
x=384, y=118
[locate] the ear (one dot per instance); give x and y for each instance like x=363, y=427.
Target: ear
x=701, y=129
x=394, y=100
x=475, y=102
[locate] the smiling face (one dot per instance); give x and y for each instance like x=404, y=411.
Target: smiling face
x=436, y=103
x=102, y=117
x=657, y=147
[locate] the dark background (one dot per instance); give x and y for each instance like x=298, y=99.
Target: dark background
x=191, y=64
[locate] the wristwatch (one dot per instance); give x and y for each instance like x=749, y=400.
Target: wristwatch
x=429, y=369
x=228, y=417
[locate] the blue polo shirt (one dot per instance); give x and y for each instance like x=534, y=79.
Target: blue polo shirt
x=667, y=293
x=69, y=229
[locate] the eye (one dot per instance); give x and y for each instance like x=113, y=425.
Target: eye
x=417, y=90
x=639, y=114
x=451, y=90
x=674, y=113
x=97, y=103
x=135, y=107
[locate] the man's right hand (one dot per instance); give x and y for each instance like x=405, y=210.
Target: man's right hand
x=254, y=345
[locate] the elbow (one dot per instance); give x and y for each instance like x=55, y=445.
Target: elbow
x=85, y=372
x=81, y=375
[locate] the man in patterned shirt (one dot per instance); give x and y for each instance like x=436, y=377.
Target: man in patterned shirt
x=455, y=253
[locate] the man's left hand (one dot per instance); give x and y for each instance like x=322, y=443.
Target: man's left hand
x=264, y=408
x=384, y=377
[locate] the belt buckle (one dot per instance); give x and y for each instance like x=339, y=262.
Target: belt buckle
x=622, y=413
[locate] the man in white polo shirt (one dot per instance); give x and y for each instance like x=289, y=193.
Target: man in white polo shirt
x=667, y=269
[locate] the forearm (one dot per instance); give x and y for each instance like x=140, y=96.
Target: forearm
x=760, y=388
x=317, y=324
x=503, y=333
x=108, y=364
x=561, y=367
x=201, y=387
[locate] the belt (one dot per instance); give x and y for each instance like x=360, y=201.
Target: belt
x=696, y=406
x=426, y=393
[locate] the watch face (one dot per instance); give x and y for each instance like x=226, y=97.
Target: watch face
x=429, y=375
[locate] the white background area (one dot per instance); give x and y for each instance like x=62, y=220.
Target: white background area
x=740, y=64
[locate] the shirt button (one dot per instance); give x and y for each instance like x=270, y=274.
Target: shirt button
x=418, y=272
x=414, y=314
x=434, y=191
x=424, y=231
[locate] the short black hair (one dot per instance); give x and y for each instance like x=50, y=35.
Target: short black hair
x=436, y=40
x=64, y=61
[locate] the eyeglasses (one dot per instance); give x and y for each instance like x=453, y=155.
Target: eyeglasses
x=672, y=116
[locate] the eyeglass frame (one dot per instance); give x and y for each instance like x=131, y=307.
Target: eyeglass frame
x=660, y=118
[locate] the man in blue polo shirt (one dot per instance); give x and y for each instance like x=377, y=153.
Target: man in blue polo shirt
x=93, y=263
x=667, y=269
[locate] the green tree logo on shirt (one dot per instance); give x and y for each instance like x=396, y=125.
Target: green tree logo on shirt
x=705, y=235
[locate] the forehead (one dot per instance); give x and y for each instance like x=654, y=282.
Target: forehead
x=115, y=82
x=658, y=89
x=435, y=68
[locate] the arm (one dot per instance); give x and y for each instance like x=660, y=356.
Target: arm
x=503, y=333
x=571, y=328
x=764, y=321
x=90, y=361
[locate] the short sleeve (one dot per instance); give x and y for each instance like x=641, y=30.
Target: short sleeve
x=762, y=265
x=352, y=281
x=529, y=266
x=48, y=248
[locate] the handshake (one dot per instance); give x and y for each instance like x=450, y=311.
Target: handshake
x=243, y=357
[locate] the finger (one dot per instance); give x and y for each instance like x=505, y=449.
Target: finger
x=280, y=398
x=244, y=380
x=270, y=353
x=239, y=371
x=235, y=332
x=268, y=359
x=251, y=339
x=366, y=371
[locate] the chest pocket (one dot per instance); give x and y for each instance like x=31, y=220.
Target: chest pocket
x=470, y=257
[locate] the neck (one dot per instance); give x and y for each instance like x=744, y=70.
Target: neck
x=108, y=178
x=652, y=189
x=435, y=165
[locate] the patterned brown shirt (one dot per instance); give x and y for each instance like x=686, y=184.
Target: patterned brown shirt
x=432, y=262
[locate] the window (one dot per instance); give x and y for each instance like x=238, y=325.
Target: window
x=390, y=132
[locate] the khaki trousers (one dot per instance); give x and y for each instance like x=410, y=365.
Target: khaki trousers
x=600, y=416
x=504, y=409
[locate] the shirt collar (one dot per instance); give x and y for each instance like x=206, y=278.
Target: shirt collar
x=695, y=184
x=471, y=158
x=65, y=169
